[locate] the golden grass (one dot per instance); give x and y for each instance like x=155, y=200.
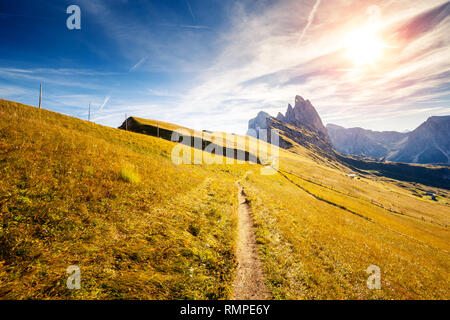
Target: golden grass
x=161, y=124
x=255, y=147
x=318, y=234
x=139, y=227
x=129, y=174
x=65, y=200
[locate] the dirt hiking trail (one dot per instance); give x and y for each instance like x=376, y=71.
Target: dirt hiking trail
x=249, y=281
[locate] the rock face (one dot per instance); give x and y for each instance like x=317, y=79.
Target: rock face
x=304, y=114
x=303, y=136
x=358, y=141
x=260, y=122
x=429, y=143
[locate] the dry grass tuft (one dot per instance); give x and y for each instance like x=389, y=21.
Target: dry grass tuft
x=129, y=174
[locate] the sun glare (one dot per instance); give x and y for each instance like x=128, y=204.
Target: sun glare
x=364, y=47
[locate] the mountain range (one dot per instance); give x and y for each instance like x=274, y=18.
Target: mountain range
x=427, y=144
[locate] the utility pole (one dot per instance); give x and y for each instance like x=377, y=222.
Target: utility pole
x=157, y=130
x=40, y=95
x=126, y=122
x=89, y=114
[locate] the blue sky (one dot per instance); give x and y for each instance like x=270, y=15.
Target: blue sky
x=212, y=64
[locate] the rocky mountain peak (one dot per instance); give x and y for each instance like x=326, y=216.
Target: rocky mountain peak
x=304, y=114
x=280, y=117
x=260, y=122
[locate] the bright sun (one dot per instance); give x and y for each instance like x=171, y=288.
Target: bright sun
x=364, y=47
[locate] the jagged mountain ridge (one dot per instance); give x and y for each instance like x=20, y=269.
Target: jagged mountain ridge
x=359, y=141
x=304, y=114
x=428, y=143
x=321, y=149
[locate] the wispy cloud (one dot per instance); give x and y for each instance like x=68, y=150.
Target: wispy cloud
x=10, y=92
x=57, y=77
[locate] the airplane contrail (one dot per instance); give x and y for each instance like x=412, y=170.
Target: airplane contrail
x=105, y=102
x=138, y=64
x=185, y=26
x=310, y=20
x=190, y=9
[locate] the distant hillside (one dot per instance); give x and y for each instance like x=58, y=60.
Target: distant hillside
x=429, y=143
x=358, y=141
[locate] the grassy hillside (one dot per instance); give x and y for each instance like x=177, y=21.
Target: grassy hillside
x=111, y=202
x=319, y=237
x=139, y=227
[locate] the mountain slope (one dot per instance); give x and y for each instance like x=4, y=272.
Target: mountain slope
x=113, y=203
x=314, y=142
x=230, y=146
x=366, y=144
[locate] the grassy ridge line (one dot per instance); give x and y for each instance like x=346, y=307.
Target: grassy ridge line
x=70, y=196
x=231, y=145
